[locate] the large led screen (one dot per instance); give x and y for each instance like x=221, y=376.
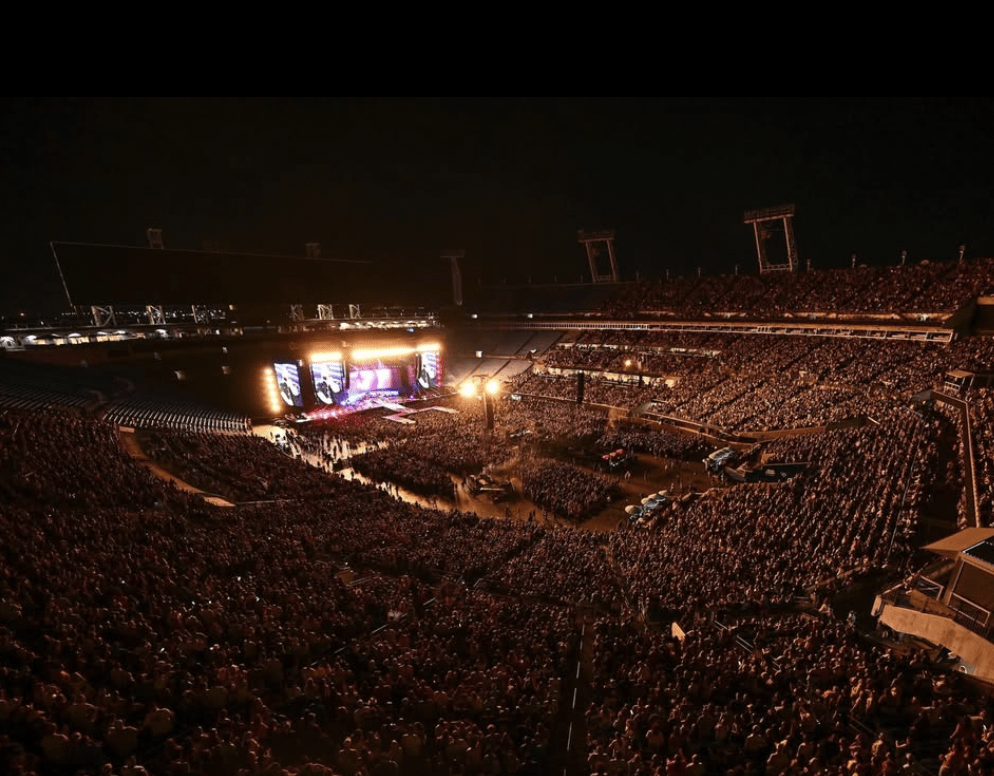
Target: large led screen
x=329, y=382
x=373, y=380
x=288, y=380
x=430, y=370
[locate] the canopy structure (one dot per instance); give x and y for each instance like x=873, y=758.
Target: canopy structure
x=951, y=546
x=124, y=275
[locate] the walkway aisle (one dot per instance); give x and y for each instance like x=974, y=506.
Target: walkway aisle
x=132, y=448
x=569, y=736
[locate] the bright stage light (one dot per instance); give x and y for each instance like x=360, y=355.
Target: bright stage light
x=433, y=347
x=368, y=354
x=272, y=390
x=468, y=390
x=317, y=358
x=492, y=387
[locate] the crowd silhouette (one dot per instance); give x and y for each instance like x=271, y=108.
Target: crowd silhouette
x=322, y=626
x=926, y=287
x=333, y=629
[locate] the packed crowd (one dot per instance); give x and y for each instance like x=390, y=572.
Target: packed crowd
x=162, y=657
x=565, y=489
x=562, y=565
x=241, y=468
x=59, y=460
x=658, y=444
x=856, y=508
x=783, y=696
x=216, y=641
x=928, y=287
x=142, y=630
x=597, y=390
x=424, y=454
x=981, y=404
x=447, y=440
x=401, y=468
x=741, y=383
x=553, y=421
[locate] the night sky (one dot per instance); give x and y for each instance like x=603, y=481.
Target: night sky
x=397, y=180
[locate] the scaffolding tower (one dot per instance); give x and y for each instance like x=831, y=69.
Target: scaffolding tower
x=592, y=242
x=764, y=223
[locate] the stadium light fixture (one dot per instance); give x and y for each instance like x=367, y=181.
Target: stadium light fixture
x=319, y=357
x=467, y=389
x=492, y=387
x=272, y=389
x=367, y=354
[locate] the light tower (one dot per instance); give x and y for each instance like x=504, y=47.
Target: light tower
x=591, y=241
x=764, y=222
x=482, y=387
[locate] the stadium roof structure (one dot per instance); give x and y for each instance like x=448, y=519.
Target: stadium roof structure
x=122, y=275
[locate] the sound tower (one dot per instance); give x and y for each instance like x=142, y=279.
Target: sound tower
x=488, y=409
x=579, y=387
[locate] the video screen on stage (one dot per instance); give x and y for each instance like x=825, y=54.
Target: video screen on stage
x=288, y=380
x=329, y=382
x=367, y=381
x=429, y=370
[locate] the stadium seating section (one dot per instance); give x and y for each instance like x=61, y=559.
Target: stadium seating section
x=322, y=625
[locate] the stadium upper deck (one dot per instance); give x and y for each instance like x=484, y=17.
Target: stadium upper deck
x=940, y=295
x=928, y=292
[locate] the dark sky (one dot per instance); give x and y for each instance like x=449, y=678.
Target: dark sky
x=510, y=181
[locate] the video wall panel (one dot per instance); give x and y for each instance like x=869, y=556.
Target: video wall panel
x=429, y=370
x=372, y=380
x=288, y=382
x=336, y=383
x=329, y=382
